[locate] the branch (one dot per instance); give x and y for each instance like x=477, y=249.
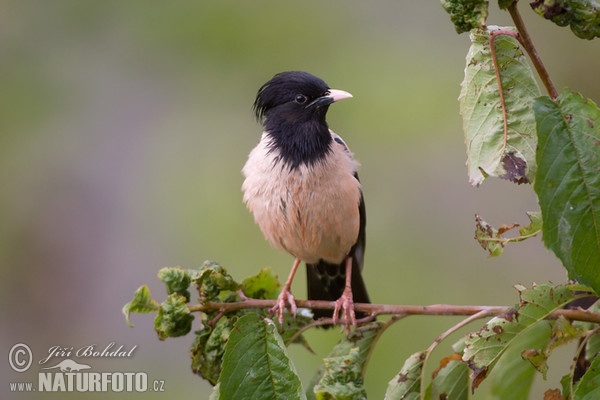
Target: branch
x=398, y=310
x=527, y=43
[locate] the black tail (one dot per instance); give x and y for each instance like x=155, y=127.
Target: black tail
x=326, y=281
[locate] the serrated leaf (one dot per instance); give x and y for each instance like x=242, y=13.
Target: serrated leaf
x=256, y=364
x=483, y=121
x=583, y=16
x=342, y=374
x=568, y=182
x=174, y=318
x=263, y=285
x=484, y=347
x=406, y=385
x=177, y=280
x=466, y=14
x=588, y=387
x=142, y=303
x=451, y=380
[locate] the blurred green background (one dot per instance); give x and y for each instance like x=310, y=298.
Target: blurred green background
x=123, y=129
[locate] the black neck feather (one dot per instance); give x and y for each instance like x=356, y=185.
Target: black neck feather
x=299, y=143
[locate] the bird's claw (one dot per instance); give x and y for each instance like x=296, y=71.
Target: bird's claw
x=279, y=308
x=345, y=304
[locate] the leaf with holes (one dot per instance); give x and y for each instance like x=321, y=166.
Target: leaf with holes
x=491, y=152
x=450, y=380
x=484, y=348
x=407, y=383
x=513, y=375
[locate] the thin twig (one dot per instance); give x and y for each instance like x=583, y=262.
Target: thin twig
x=527, y=43
x=444, y=335
x=389, y=309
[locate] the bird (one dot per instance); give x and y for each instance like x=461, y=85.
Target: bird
x=302, y=186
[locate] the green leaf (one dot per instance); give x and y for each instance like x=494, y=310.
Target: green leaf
x=256, y=364
x=588, y=387
x=588, y=353
x=174, y=318
x=592, y=346
x=492, y=239
x=216, y=393
x=451, y=380
x=214, y=282
x=342, y=374
x=568, y=182
x=407, y=383
x=466, y=14
x=489, y=238
x=583, y=16
x=481, y=110
x=535, y=217
x=177, y=280
x=563, y=331
x=264, y=285
x=504, y=4
x=209, y=346
x=142, y=303
x=512, y=376
x=484, y=348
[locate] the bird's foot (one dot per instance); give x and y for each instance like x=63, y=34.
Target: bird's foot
x=345, y=304
x=284, y=297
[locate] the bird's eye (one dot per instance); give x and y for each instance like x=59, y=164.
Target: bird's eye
x=300, y=99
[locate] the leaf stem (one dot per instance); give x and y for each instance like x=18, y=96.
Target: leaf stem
x=493, y=35
x=527, y=43
x=511, y=239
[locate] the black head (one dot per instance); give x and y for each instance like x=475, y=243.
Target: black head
x=293, y=106
x=289, y=91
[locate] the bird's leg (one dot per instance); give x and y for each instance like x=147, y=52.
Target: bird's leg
x=345, y=303
x=286, y=295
